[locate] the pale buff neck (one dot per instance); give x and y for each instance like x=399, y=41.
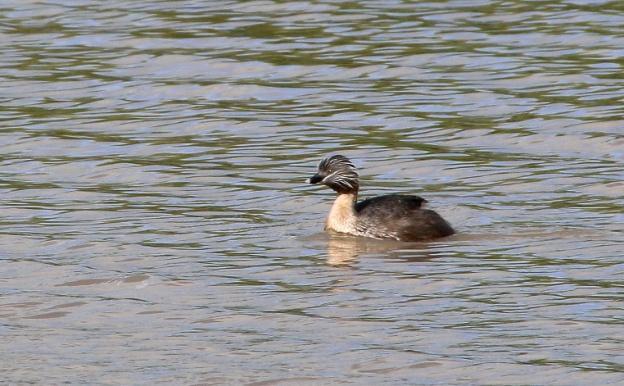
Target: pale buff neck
x=342, y=214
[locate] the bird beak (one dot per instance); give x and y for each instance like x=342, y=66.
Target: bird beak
x=315, y=179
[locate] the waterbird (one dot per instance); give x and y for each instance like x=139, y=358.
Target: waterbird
x=394, y=216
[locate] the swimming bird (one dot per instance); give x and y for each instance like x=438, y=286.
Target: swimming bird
x=394, y=216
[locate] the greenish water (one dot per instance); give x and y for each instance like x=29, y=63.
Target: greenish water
x=156, y=226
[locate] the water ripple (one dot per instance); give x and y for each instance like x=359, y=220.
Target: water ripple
x=157, y=226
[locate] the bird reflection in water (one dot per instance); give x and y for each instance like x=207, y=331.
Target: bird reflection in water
x=344, y=250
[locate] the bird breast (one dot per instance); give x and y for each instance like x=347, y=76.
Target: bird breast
x=342, y=214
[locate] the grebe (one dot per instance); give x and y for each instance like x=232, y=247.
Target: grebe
x=393, y=216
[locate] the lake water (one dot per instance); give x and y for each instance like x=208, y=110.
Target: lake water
x=156, y=226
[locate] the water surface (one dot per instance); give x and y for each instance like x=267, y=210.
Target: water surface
x=156, y=226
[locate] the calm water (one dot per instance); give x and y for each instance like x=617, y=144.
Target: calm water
x=156, y=226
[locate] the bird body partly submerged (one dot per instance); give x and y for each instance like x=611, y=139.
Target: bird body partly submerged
x=398, y=217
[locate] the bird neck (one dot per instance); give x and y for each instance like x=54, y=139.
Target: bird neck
x=342, y=213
